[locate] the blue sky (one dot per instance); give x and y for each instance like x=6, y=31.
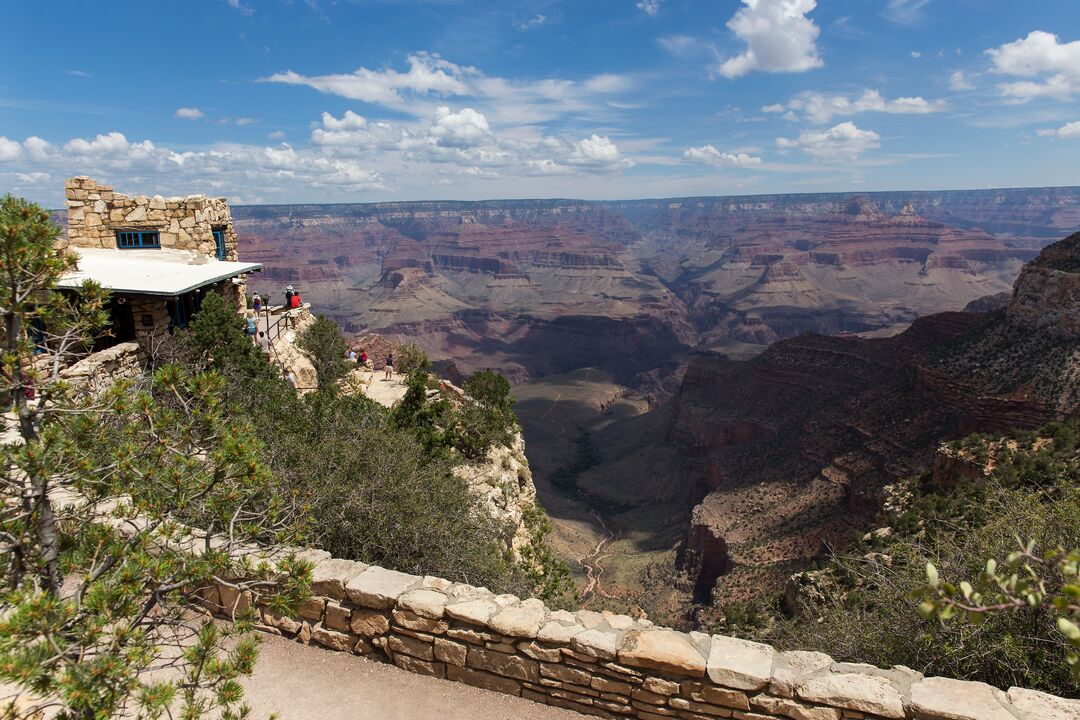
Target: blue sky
x=368, y=100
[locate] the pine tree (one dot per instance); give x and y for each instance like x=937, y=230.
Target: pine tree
x=99, y=565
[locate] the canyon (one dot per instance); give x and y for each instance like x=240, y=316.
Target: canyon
x=692, y=443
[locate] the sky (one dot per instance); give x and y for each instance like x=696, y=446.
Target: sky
x=278, y=101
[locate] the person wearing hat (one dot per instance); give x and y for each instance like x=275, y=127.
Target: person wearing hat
x=288, y=296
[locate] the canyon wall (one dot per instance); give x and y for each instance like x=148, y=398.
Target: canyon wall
x=796, y=445
x=484, y=283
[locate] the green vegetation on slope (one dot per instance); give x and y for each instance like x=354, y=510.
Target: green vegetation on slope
x=85, y=609
x=375, y=484
x=868, y=611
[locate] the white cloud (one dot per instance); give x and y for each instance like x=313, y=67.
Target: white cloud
x=465, y=138
x=466, y=128
x=188, y=113
x=905, y=12
x=599, y=152
x=959, y=82
x=39, y=149
x=916, y=54
x=276, y=135
x=427, y=74
x=649, y=7
x=533, y=22
x=238, y=5
x=841, y=143
x=1067, y=132
x=79, y=73
x=1053, y=65
x=431, y=80
x=9, y=150
x=711, y=156
x=682, y=46
x=821, y=108
x=778, y=36
x=33, y=177
x=113, y=142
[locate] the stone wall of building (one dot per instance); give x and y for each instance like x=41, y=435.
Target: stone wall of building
x=96, y=212
x=604, y=664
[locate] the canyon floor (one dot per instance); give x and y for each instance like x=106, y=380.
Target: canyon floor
x=611, y=540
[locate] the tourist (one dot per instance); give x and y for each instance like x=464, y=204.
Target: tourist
x=256, y=302
x=362, y=360
x=288, y=296
x=389, y=367
x=251, y=328
x=294, y=301
x=351, y=355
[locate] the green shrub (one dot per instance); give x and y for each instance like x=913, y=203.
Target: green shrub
x=1032, y=492
x=410, y=357
x=326, y=346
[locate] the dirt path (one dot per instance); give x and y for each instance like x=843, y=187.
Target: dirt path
x=306, y=683
x=591, y=562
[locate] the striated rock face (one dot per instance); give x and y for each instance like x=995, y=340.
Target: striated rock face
x=797, y=444
x=1046, y=297
x=497, y=284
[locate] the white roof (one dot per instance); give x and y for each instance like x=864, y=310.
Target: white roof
x=151, y=272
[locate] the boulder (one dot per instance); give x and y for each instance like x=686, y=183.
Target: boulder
x=378, y=587
x=740, y=664
x=958, y=700
x=1037, y=705
x=664, y=650
x=424, y=602
x=853, y=691
x=522, y=620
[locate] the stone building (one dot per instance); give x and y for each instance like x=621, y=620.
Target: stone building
x=159, y=256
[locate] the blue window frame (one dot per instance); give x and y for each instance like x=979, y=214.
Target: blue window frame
x=134, y=239
x=220, y=252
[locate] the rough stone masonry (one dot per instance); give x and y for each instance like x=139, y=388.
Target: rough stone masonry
x=607, y=665
x=96, y=212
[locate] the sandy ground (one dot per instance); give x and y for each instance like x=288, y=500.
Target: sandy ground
x=307, y=683
x=384, y=392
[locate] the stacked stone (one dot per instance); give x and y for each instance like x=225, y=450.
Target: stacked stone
x=609, y=665
x=96, y=212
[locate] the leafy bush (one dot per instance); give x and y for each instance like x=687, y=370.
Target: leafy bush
x=1034, y=490
x=323, y=341
x=486, y=417
x=410, y=357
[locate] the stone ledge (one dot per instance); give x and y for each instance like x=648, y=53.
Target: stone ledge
x=597, y=663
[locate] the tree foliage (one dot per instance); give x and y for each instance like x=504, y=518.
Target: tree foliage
x=486, y=417
x=410, y=358
x=99, y=578
x=326, y=346
x=872, y=615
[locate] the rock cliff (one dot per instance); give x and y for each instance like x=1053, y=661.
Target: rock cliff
x=795, y=446
x=499, y=283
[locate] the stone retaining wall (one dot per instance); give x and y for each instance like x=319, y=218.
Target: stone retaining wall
x=608, y=665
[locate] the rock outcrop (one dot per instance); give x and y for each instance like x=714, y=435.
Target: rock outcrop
x=722, y=273
x=797, y=445
x=503, y=486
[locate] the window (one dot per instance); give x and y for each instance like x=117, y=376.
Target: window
x=134, y=239
x=220, y=251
